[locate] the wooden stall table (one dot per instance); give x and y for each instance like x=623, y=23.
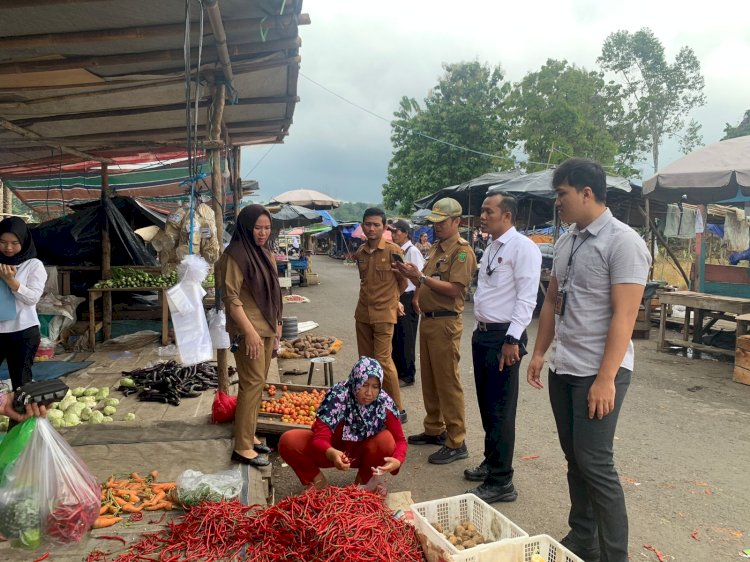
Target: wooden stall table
x=105, y=293
x=702, y=305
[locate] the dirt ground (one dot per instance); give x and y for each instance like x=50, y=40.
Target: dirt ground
x=682, y=446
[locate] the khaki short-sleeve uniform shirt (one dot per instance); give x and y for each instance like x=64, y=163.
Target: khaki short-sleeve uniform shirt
x=237, y=293
x=450, y=260
x=378, y=284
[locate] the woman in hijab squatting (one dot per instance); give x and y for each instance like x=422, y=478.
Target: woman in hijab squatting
x=22, y=279
x=357, y=426
x=247, y=277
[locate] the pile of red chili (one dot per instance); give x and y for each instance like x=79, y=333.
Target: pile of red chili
x=329, y=525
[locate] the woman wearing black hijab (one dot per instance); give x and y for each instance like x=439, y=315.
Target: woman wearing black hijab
x=246, y=275
x=22, y=279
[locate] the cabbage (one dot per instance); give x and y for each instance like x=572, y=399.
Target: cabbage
x=57, y=423
x=85, y=414
x=111, y=402
x=71, y=419
x=76, y=408
x=55, y=405
x=67, y=402
x=88, y=400
x=54, y=413
x=127, y=382
x=96, y=417
x=91, y=391
x=107, y=419
x=129, y=417
x=108, y=410
x=78, y=391
x=103, y=393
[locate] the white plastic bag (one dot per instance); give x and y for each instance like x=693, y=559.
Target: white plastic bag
x=194, y=487
x=186, y=306
x=47, y=493
x=217, y=328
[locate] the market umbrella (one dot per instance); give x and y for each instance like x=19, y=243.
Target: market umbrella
x=307, y=198
x=540, y=184
x=294, y=215
x=716, y=172
x=469, y=194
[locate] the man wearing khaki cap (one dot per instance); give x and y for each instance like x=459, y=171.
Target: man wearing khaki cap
x=447, y=273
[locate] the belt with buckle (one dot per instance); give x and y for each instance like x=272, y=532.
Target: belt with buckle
x=493, y=326
x=440, y=314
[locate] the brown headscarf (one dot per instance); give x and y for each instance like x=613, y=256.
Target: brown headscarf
x=257, y=264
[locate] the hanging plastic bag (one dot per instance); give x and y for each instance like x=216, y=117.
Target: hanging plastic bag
x=186, y=306
x=223, y=408
x=48, y=493
x=193, y=487
x=217, y=328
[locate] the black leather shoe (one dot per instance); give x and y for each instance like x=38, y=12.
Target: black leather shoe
x=257, y=462
x=477, y=473
x=425, y=439
x=403, y=416
x=261, y=449
x=403, y=383
x=492, y=493
x=588, y=554
x=447, y=454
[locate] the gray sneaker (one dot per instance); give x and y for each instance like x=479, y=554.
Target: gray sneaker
x=446, y=454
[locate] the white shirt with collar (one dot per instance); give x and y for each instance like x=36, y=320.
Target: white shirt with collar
x=412, y=255
x=32, y=276
x=509, y=274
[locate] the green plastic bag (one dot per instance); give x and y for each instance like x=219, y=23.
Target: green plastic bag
x=15, y=442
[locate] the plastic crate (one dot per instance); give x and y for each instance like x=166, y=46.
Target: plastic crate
x=449, y=512
x=523, y=549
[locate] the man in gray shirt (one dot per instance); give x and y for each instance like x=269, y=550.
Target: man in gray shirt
x=599, y=271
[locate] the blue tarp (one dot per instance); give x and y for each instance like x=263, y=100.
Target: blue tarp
x=327, y=218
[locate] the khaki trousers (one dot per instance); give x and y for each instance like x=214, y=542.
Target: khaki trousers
x=442, y=391
x=252, y=375
x=375, y=340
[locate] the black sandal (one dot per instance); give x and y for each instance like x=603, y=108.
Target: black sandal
x=262, y=449
x=257, y=462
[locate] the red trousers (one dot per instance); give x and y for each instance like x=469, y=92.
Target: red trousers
x=306, y=461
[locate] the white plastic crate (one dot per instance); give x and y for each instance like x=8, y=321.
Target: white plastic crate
x=523, y=549
x=449, y=512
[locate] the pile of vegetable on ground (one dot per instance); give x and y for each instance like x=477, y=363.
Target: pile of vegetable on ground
x=169, y=381
x=307, y=347
x=133, y=278
x=123, y=497
x=84, y=405
x=334, y=524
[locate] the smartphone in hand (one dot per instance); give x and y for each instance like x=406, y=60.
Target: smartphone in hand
x=395, y=258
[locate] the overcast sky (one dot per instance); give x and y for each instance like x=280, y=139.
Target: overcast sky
x=372, y=53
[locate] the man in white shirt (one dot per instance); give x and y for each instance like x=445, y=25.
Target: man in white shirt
x=504, y=302
x=405, y=334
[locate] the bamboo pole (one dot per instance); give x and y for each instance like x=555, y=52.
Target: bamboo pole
x=236, y=181
x=106, y=258
x=220, y=39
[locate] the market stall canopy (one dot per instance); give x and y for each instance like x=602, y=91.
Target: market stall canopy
x=717, y=172
x=294, y=215
x=307, y=198
x=469, y=194
x=359, y=233
x=539, y=184
x=83, y=80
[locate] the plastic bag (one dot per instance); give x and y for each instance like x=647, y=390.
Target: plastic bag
x=194, y=487
x=14, y=443
x=48, y=493
x=223, y=408
x=376, y=484
x=217, y=329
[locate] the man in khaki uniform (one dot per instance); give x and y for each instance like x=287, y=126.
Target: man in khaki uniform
x=447, y=273
x=378, y=305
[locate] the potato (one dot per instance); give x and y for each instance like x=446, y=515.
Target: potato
x=459, y=530
x=452, y=539
x=470, y=527
x=469, y=544
x=437, y=526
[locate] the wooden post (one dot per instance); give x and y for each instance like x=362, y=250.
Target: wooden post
x=650, y=239
x=236, y=181
x=218, y=205
x=106, y=258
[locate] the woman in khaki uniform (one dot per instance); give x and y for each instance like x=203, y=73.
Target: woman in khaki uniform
x=247, y=277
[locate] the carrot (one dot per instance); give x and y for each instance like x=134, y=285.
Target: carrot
x=119, y=501
x=130, y=508
x=162, y=486
x=103, y=509
x=154, y=474
x=135, y=477
x=104, y=521
x=160, y=505
x=114, y=509
x=128, y=495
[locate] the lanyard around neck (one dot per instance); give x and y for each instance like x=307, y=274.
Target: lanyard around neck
x=573, y=251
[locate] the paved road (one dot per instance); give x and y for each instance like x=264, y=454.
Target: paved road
x=683, y=445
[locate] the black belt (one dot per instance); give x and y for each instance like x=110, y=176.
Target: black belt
x=440, y=314
x=493, y=326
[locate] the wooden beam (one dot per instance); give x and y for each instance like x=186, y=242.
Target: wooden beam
x=11, y=4
x=249, y=27
x=30, y=135
x=144, y=110
x=168, y=55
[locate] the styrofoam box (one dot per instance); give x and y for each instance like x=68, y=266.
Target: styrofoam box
x=522, y=550
x=449, y=512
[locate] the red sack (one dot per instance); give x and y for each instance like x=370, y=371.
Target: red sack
x=222, y=410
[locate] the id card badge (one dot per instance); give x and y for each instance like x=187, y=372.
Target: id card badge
x=562, y=297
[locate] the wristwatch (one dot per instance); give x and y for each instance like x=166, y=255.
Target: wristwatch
x=510, y=340
x=422, y=279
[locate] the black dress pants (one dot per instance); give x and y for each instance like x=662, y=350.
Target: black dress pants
x=405, y=340
x=497, y=395
x=19, y=349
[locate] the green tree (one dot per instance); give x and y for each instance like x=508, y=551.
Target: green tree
x=563, y=110
x=740, y=130
x=465, y=109
x=658, y=95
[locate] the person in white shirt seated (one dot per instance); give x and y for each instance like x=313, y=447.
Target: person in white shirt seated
x=22, y=279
